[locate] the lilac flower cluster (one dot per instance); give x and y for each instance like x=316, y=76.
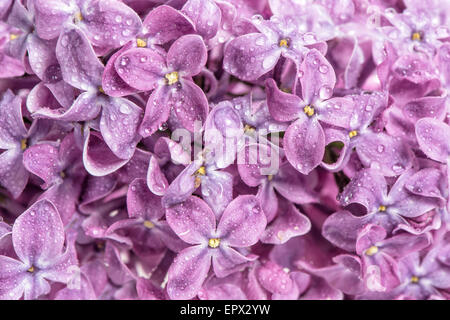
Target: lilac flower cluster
x=224, y=149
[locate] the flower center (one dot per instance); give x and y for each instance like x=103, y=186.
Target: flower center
x=141, y=43
x=270, y=177
x=371, y=251
x=284, y=43
x=31, y=269
x=214, y=242
x=23, y=144
x=13, y=36
x=172, y=77
x=100, y=88
x=414, y=279
x=200, y=172
x=416, y=36
x=353, y=133
x=78, y=17
x=382, y=208
x=248, y=128
x=309, y=110
x=62, y=174
x=148, y=224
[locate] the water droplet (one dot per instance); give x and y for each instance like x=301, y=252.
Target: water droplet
x=269, y=62
x=380, y=148
x=323, y=69
x=325, y=92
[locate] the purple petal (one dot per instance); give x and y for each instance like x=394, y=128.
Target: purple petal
x=304, y=143
x=434, y=138
x=193, y=220
x=190, y=105
x=38, y=234
x=295, y=186
x=242, y=222
x=337, y=112
x=367, y=188
x=118, y=125
x=51, y=15
x=341, y=229
x=42, y=160
x=288, y=224
x=156, y=180
x=188, y=272
x=85, y=107
x=165, y=24
x=97, y=156
x=182, y=186
x=282, y=106
x=391, y=156
x=217, y=190
x=250, y=56
x=268, y=200
x=206, y=16
x=226, y=261
x=80, y=66
x=157, y=111
x=102, y=20
x=273, y=278
x=12, y=129
x=12, y=278
x=112, y=83
x=142, y=203
x=10, y=67
x=141, y=68
x=13, y=175
x=318, y=77
x=187, y=55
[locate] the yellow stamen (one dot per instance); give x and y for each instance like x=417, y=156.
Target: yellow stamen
x=371, y=251
x=414, y=279
x=31, y=269
x=23, y=144
x=201, y=171
x=197, y=182
x=13, y=36
x=283, y=43
x=78, y=16
x=270, y=177
x=172, y=77
x=353, y=133
x=141, y=43
x=287, y=90
x=214, y=242
x=148, y=224
x=416, y=36
x=309, y=110
x=100, y=88
x=382, y=208
x=248, y=128
x=62, y=174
